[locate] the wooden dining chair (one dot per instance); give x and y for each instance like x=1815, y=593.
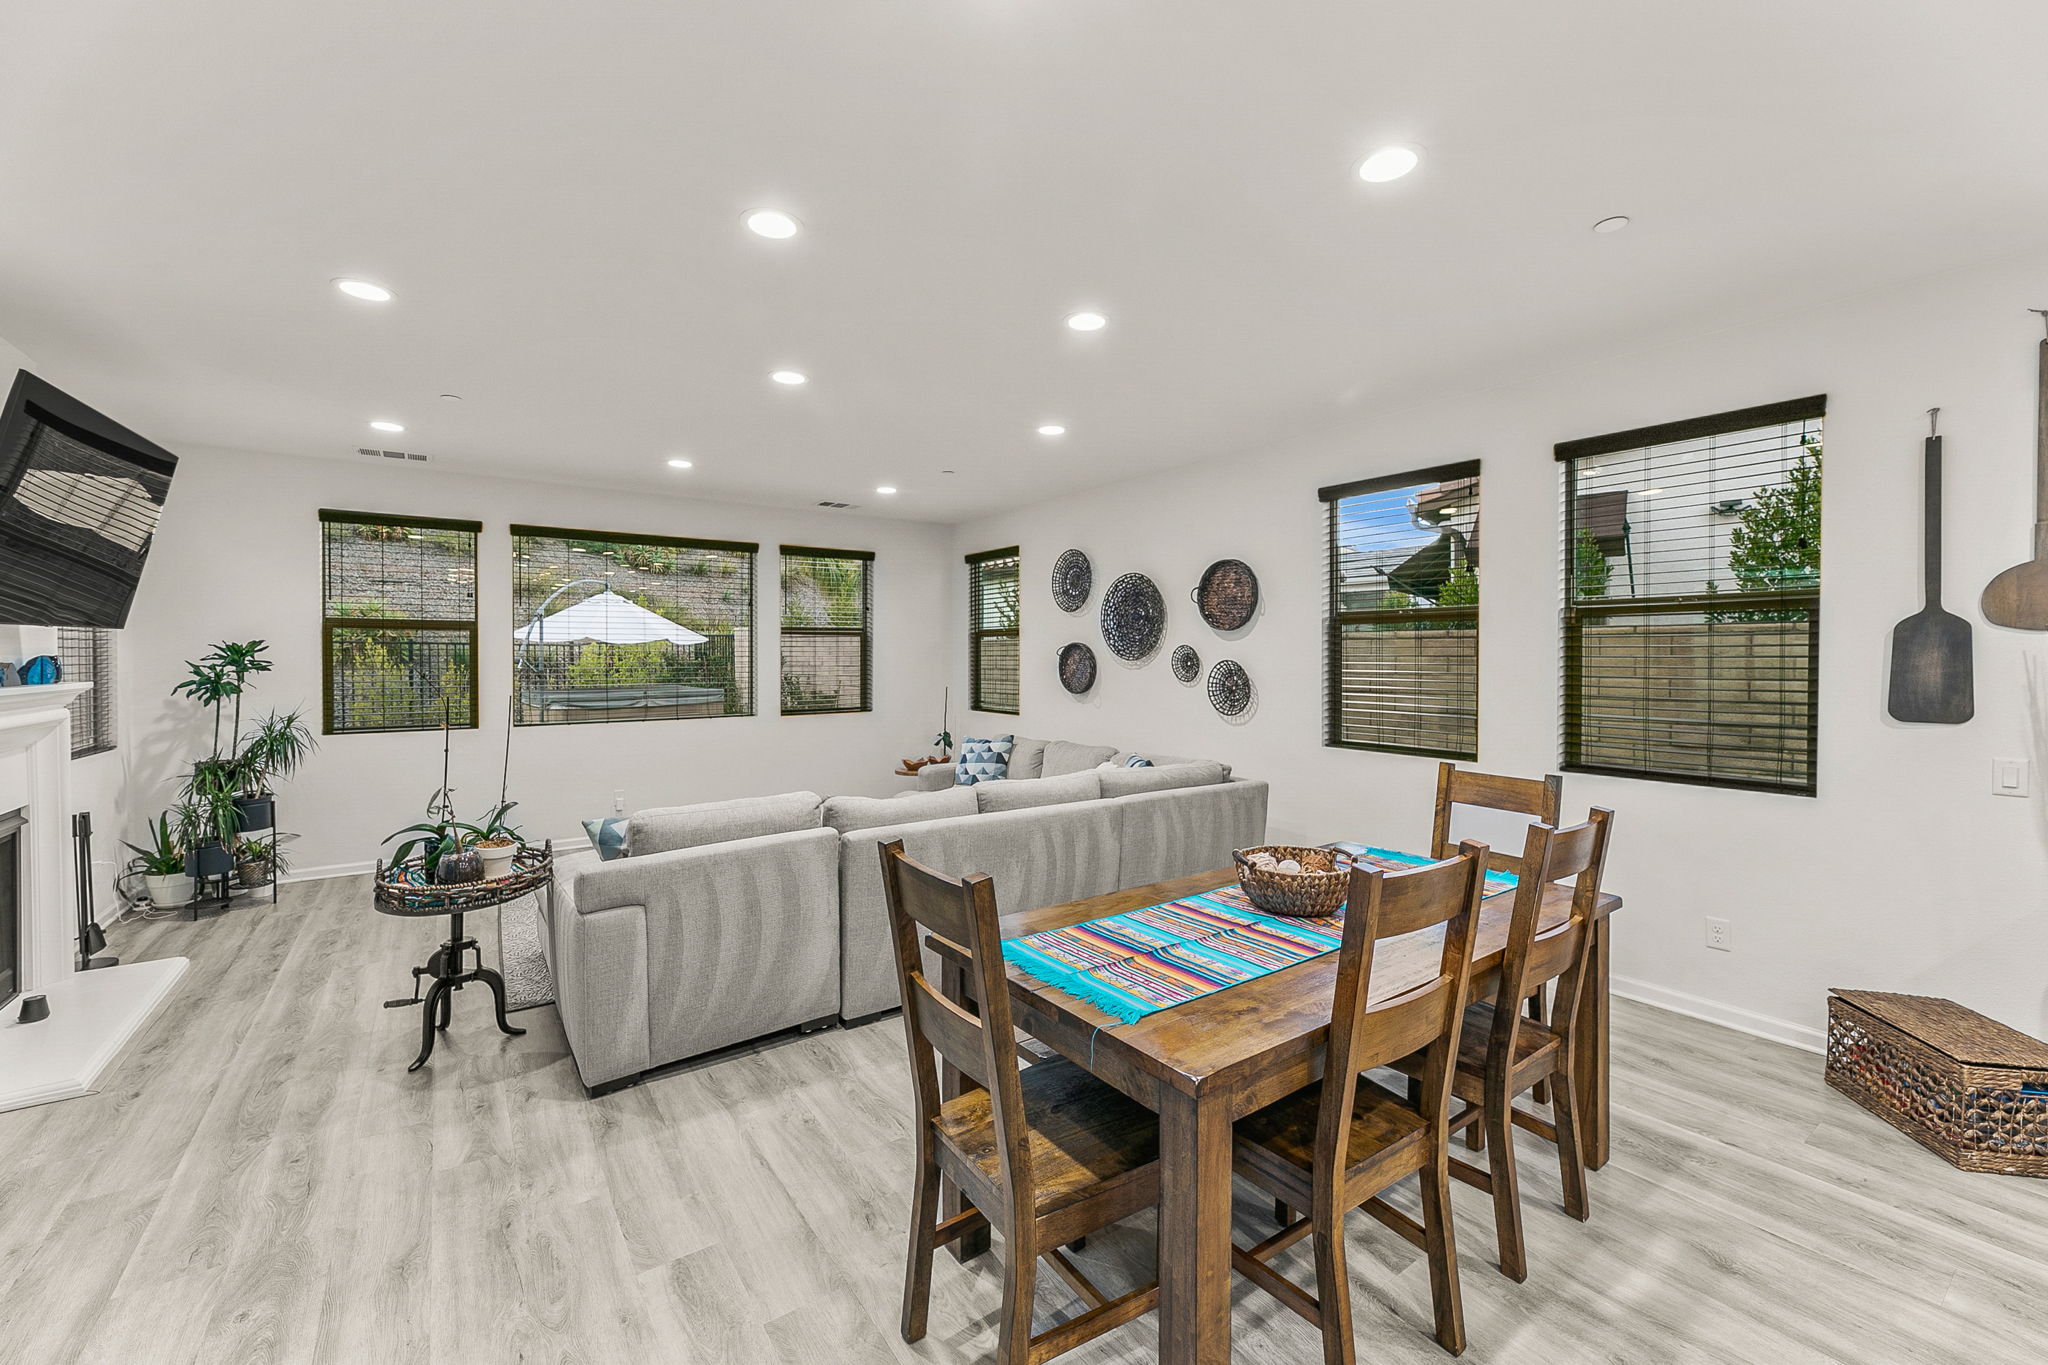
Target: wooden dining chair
x=1343, y=1142
x=1046, y=1154
x=1503, y=1053
x=1539, y=798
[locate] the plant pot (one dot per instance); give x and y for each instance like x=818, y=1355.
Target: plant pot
x=172, y=888
x=465, y=865
x=255, y=812
x=253, y=874
x=213, y=859
x=497, y=859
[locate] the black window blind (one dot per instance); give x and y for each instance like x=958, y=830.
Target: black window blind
x=1403, y=643
x=398, y=622
x=992, y=615
x=86, y=654
x=827, y=649
x=613, y=627
x=1692, y=599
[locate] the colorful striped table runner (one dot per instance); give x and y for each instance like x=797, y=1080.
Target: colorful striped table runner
x=1143, y=961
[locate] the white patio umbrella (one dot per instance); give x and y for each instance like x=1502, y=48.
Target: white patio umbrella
x=607, y=619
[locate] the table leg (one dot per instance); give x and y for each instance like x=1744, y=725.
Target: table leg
x=1194, y=1231
x=953, y=1082
x=1591, y=1062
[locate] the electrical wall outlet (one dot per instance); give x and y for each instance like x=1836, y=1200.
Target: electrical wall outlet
x=2010, y=777
x=619, y=801
x=1717, y=935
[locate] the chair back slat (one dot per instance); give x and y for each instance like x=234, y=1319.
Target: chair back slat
x=962, y=911
x=1386, y=905
x=1539, y=798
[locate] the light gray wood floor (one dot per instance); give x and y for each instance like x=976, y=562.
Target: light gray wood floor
x=260, y=1180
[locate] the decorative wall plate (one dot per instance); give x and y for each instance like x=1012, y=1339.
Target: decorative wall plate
x=1072, y=580
x=1230, y=688
x=1133, y=617
x=1228, y=594
x=1186, y=663
x=1077, y=667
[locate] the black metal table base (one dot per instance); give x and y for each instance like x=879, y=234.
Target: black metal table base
x=445, y=968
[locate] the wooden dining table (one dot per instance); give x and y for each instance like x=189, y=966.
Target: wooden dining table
x=1204, y=1064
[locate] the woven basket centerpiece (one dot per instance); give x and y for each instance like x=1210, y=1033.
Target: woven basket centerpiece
x=1317, y=889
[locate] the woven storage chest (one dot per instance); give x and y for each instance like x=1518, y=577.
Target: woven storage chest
x=1967, y=1088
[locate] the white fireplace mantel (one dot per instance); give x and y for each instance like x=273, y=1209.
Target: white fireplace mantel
x=92, y=1014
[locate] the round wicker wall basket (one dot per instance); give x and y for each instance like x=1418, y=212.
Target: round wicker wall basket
x=1317, y=890
x=1077, y=667
x=1073, y=578
x=1133, y=617
x=1187, y=665
x=1228, y=594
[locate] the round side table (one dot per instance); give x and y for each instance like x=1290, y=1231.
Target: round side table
x=403, y=890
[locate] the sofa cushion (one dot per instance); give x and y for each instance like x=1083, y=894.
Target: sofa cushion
x=848, y=813
x=1046, y=791
x=983, y=760
x=1130, y=781
x=1027, y=758
x=1063, y=757
x=660, y=829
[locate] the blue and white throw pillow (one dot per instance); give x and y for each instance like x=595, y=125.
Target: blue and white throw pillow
x=608, y=837
x=1137, y=761
x=983, y=760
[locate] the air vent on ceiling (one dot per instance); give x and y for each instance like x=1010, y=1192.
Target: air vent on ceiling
x=840, y=506
x=391, y=454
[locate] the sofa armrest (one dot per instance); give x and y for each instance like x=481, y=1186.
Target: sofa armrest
x=935, y=777
x=666, y=956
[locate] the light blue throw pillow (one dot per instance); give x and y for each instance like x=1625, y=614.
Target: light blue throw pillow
x=608, y=837
x=1137, y=761
x=983, y=760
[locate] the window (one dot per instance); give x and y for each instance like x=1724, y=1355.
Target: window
x=1692, y=599
x=87, y=655
x=398, y=622
x=825, y=641
x=1403, y=649
x=612, y=627
x=992, y=603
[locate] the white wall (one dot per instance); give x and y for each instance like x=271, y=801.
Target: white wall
x=1904, y=874
x=237, y=557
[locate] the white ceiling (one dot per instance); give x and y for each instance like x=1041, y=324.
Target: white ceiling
x=554, y=191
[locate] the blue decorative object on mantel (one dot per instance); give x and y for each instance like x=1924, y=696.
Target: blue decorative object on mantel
x=42, y=670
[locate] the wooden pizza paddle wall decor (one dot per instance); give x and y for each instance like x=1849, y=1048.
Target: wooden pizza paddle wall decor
x=1932, y=681
x=2019, y=597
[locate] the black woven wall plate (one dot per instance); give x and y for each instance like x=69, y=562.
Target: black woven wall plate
x=1228, y=594
x=1186, y=663
x=1230, y=688
x=1077, y=667
x=1133, y=617
x=1072, y=580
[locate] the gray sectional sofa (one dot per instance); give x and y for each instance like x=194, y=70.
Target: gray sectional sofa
x=730, y=921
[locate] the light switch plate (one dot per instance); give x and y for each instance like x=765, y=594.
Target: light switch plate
x=2011, y=777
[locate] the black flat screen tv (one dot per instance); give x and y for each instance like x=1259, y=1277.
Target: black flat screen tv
x=79, y=499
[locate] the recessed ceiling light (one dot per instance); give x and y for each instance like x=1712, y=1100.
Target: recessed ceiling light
x=884, y=488
x=679, y=464
x=363, y=289
x=387, y=426
x=790, y=377
x=451, y=398
x=1052, y=429
x=1614, y=224
x=772, y=223
x=1087, y=322
x=1388, y=163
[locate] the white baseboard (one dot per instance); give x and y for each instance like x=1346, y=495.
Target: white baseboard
x=1714, y=1012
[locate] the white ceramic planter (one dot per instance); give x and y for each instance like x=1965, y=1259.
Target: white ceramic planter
x=497, y=861
x=167, y=891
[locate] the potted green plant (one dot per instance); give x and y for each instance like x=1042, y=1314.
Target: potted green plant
x=496, y=840
x=257, y=861
x=277, y=746
x=164, y=878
